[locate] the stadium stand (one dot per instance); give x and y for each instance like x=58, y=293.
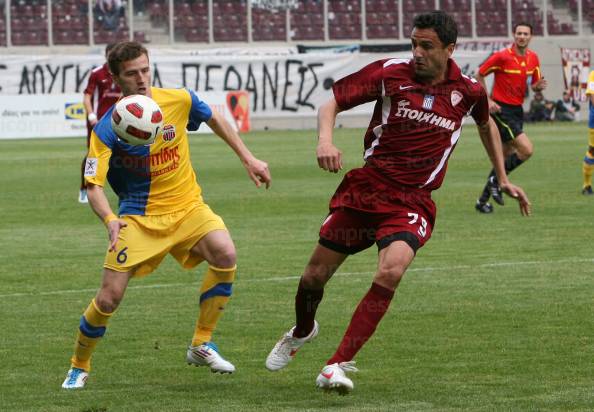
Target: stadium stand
x=307, y=21
x=269, y=25
x=311, y=20
x=381, y=19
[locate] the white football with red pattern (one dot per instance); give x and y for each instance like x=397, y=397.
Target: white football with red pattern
x=137, y=120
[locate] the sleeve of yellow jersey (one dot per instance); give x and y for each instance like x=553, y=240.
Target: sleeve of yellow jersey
x=97, y=163
x=590, y=88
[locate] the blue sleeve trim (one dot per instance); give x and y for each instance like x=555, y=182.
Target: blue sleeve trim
x=199, y=112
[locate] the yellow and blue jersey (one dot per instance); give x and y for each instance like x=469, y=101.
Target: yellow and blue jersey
x=157, y=178
x=589, y=91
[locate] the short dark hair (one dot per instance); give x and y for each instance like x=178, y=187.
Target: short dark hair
x=109, y=48
x=123, y=52
x=523, y=23
x=444, y=25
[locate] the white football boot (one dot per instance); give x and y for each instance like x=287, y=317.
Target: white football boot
x=207, y=354
x=75, y=379
x=82, y=196
x=333, y=377
x=285, y=349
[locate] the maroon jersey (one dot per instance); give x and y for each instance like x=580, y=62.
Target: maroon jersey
x=105, y=93
x=414, y=126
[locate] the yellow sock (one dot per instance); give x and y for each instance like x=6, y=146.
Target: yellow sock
x=588, y=169
x=214, y=295
x=92, y=327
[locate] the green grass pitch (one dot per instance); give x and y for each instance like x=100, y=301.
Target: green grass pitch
x=494, y=314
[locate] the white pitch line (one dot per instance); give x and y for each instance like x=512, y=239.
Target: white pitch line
x=294, y=277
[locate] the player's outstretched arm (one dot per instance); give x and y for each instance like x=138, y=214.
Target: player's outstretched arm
x=91, y=116
x=100, y=206
x=256, y=169
x=329, y=157
x=492, y=142
x=493, y=106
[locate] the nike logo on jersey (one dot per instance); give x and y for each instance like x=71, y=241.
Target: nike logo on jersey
x=405, y=87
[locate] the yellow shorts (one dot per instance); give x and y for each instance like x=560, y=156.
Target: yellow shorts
x=146, y=240
x=591, y=137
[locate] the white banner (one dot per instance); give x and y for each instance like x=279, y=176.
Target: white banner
x=63, y=115
x=279, y=84
x=28, y=116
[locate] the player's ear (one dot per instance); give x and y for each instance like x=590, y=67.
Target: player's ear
x=450, y=49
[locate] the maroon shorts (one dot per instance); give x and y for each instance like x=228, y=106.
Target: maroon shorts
x=366, y=210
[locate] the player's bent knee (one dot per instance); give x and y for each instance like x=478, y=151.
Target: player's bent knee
x=390, y=274
x=108, y=301
x=314, y=279
x=225, y=257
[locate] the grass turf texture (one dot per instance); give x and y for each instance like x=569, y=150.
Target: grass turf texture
x=494, y=314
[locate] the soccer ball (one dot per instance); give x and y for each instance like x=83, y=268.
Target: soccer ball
x=137, y=120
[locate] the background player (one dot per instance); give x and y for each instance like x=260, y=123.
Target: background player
x=161, y=211
x=514, y=68
x=420, y=105
x=100, y=94
x=588, y=165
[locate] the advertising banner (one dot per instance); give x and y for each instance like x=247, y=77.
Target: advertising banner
x=576, y=68
x=63, y=115
x=280, y=83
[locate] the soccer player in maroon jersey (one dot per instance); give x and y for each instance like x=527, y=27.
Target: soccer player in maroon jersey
x=514, y=68
x=100, y=94
x=416, y=123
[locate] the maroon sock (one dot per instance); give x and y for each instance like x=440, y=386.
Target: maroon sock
x=365, y=319
x=306, y=304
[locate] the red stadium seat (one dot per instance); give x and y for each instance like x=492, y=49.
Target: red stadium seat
x=81, y=37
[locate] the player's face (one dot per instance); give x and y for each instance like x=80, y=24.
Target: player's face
x=430, y=56
x=522, y=36
x=135, y=76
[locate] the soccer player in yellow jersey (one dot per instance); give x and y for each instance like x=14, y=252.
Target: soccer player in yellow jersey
x=161, y=211
x=588, y=165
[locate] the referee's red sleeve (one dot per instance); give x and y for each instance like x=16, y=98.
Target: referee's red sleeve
x=490, y=65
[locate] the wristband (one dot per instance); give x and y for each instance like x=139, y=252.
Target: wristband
x=109, y=218
x=92, y=117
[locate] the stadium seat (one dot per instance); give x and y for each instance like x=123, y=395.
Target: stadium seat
x=81, y=37
x=199, y=7
x=17, y=38
x=140, y=36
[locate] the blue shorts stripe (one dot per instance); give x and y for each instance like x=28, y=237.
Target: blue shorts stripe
x=89, y=330
x=221, y=289
x=589, y=160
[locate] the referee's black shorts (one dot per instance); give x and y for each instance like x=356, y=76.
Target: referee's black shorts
x=510, y=121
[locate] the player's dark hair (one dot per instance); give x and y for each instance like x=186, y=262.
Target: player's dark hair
x=109, y=48
x=444, y=25
x=525, y=24
x=123, y=52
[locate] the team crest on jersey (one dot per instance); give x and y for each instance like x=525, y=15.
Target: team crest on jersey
x=428, y=102
x=456, y=98
x=168, y=132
